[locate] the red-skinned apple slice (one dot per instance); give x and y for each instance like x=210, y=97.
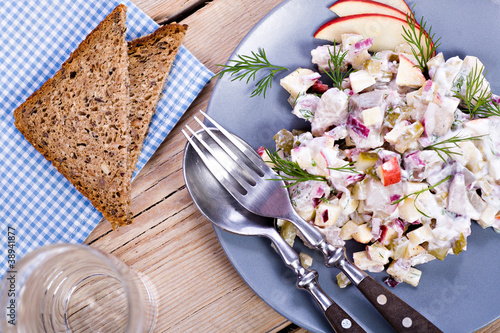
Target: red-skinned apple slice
x=355, y=7
x=387, y=31
x=398, y=4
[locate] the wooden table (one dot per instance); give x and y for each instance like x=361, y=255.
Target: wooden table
x=169, y=233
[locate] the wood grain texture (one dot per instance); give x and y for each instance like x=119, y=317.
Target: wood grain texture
x=165, y=10
x=170, y=243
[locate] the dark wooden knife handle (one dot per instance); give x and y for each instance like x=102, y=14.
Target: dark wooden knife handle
x=341, y=321
x=401, y=316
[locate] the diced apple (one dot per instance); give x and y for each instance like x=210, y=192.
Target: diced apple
x=413, y=250
x=348, y=203
x=413, y=277
x=349, y=39
x=320, y=163
x=360, y=80
x=420, y=235
x=408, y=211
x=399, y=248
x=408, y=74
x=295, y=84
x=372, y=116
x=473, y=156
x=363, y=262
x=479, y=126
x=326, y=214
x=412, y=187
x=353, y=7
x=387, y=235
x=365, y=161
x=348, y=229
x=421, y=258
x=434, y=63
x=363, y=234
x=378, y=252
x=389, y=172
x=494, y=168
x=473, y=64
x=444, y=74
x=457, y=195
x=302, y=156
x=399, y=268
x=487, y=217
x=265, y=156
x=386, y=31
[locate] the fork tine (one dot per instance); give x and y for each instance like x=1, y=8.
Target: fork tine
x=217, y=168
x=250, y=153
x=230, y=152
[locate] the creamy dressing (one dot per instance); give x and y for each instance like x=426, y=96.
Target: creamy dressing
x=408, y=203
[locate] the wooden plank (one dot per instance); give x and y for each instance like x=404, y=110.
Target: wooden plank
x=170, y=243
x=162, y=11
x=169, y=235
x=215, y=48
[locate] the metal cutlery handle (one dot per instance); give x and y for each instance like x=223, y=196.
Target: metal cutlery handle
x=401, y=316
x=308, y=280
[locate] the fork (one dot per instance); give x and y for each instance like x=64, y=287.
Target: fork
x=243, y=173
x=230, y=216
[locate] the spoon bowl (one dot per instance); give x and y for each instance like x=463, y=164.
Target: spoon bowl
x=222, y=209
x=218, y=206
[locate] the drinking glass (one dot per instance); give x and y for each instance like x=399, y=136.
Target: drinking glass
x=74, y=288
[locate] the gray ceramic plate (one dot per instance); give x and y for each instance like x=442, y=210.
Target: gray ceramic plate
x=460, y=294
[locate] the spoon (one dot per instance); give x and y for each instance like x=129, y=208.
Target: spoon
x=230, y=216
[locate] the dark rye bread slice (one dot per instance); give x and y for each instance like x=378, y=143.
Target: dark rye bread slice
x=150, y=60
x=79, y=120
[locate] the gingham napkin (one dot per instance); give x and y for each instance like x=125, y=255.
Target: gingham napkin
x=37, y=203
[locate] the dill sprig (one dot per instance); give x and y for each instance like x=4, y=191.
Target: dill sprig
x=290, y=171
x=442, y=148
x=336, y=70
x=477, y=100
x=247, y=66
x=417, y=193
x=492, y=108
x=346, y=168
x=420, y=40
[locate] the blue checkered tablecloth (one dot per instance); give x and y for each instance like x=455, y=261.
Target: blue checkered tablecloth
x=37, y=203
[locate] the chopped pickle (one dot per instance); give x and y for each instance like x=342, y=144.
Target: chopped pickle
x=288, y=232
x=394, y=115
x=305, y=259
x=460, y=244
x=394, y=57
x=284, y=140
x=372, y=66
x=372, y=172
x=439, y=253
x=410, y=134
x=366, y=160
x=342, y=280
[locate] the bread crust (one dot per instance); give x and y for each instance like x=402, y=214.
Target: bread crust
x=150, y=61
x=78, y=119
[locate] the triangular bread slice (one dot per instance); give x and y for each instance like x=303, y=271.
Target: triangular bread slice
x=79, y=120
x=150, y=60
